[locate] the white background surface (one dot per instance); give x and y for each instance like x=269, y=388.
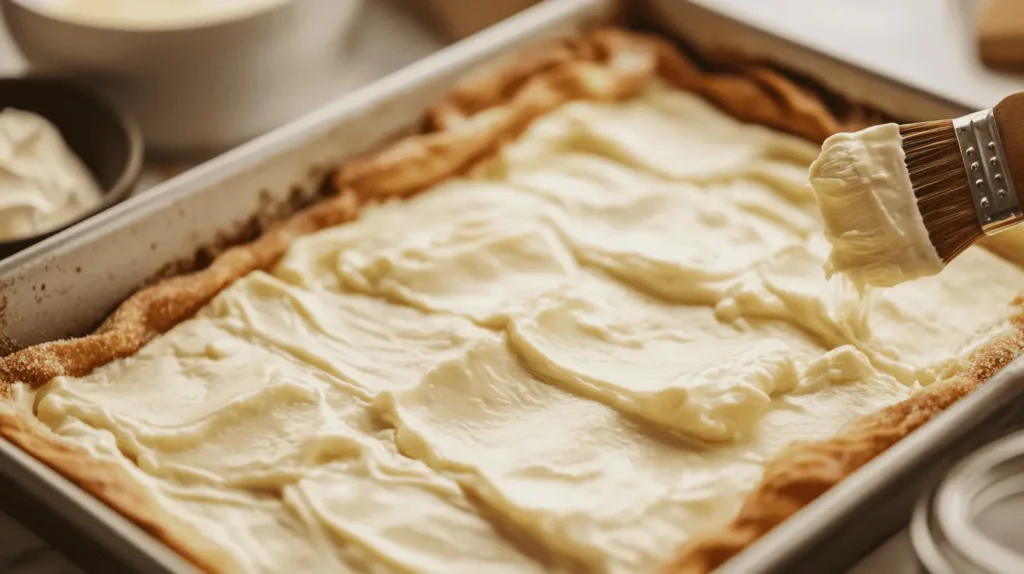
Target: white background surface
x=927, y=43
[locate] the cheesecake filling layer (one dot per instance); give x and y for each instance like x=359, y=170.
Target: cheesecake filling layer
x=573, y=359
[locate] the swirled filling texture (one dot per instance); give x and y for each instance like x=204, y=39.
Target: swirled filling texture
x=574, y=359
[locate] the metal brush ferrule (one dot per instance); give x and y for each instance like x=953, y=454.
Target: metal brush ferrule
x=995, y=197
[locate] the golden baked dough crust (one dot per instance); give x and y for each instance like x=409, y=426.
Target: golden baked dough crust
x=468, y=125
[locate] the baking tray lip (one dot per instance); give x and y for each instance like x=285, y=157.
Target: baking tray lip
x=832, y=58
x=829, y=58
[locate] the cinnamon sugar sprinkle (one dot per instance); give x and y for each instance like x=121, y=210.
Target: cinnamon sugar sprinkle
x=471, y=123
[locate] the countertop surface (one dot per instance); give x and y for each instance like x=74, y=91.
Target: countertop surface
x=927, y=43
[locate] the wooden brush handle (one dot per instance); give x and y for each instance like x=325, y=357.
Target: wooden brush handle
x=1001, y=35
x=1009, y=115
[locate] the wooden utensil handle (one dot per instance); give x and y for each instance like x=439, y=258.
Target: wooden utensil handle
x=1001, y=35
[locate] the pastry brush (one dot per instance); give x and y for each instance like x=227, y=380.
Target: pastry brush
x=901, y=202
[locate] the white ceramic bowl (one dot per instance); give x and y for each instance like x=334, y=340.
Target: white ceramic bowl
x=197, y=88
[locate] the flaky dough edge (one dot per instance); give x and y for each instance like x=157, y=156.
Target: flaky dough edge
x=464, y=128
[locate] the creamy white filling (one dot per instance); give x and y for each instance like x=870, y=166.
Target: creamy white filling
x=869, y=209
x=582, y=356
x=43, y=183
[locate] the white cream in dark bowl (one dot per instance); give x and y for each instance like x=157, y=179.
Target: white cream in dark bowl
x=65, y=155
x=42, y=182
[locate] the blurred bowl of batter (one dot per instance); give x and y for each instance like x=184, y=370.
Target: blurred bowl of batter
x=200, y=76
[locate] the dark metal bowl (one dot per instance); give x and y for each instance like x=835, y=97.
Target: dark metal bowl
x=107, y=141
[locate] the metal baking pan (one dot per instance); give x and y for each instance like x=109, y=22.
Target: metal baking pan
x=66, y=285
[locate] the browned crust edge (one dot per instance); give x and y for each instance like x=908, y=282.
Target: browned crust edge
x=806, y=470
x=469, y=124
x=110, y=483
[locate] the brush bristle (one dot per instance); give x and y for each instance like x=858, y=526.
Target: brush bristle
x=940, y=183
